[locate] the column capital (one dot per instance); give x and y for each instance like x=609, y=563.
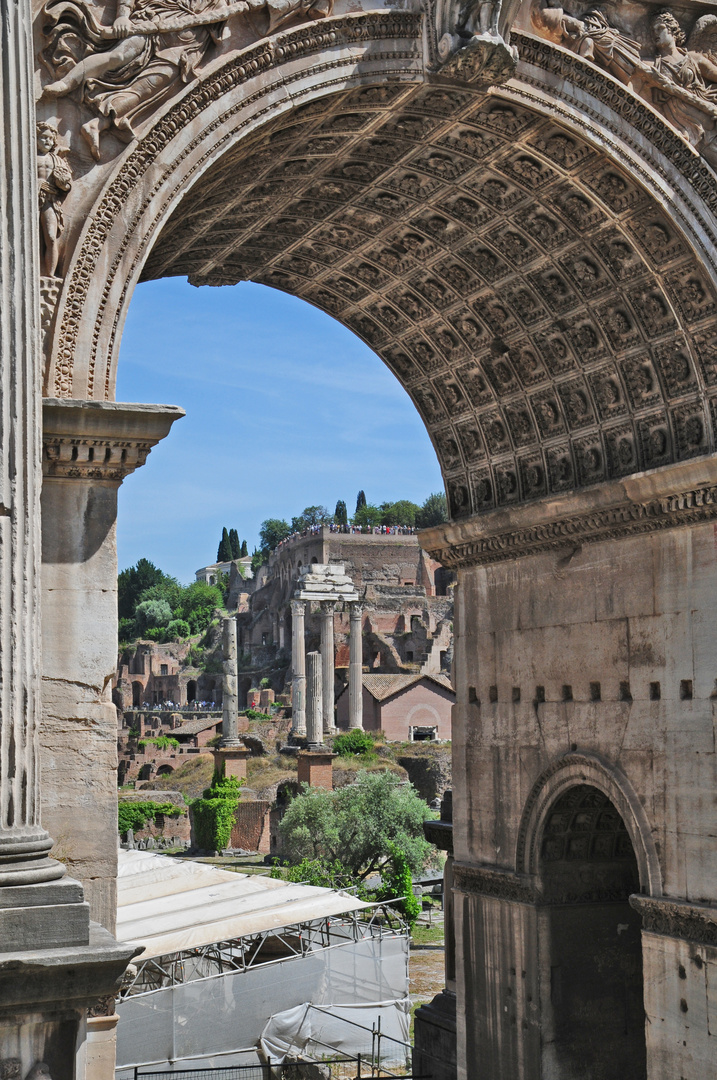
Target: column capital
x=355, y=609
x=100, y=440
x=298, y=607
x=328, y=607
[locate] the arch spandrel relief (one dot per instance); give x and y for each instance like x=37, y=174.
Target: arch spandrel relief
x=554, y=324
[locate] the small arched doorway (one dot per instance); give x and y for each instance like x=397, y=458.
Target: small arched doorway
x=165, y=770
x=593, y=1012
x=191, y=691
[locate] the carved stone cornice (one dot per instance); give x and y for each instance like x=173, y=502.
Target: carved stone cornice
x=676, y=918
x=674, y=496
x=440, y=834
x=495, y=883
x=99, y=440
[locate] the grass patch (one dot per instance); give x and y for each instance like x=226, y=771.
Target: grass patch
x=423, y=934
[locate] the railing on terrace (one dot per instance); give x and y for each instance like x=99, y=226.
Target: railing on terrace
x=335, y=1068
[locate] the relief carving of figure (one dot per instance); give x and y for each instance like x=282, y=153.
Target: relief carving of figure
x=591, y=37
x=54, y=181
x=124, y=70
x=678, y=75
x=684, y=80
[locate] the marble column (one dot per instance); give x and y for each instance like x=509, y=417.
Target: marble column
x=89, y=447
x=24, y=844
x=355, y=666
x=314, y=700
x=230, y=688
x=298, y=668
x=327, y=664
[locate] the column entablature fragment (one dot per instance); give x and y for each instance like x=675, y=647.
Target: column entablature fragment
x=100, y=440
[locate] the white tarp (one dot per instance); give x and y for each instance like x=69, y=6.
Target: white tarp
x=310, y=1032
x=169, y=905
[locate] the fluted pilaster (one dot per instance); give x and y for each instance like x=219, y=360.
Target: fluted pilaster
x=23, y=843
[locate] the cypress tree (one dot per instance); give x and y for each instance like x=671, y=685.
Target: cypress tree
x=360, y=500
x=340, y=514
x=244, y=549
x=234, y=543
x=224, y=553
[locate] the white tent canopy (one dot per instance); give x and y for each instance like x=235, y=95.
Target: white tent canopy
x=168, y=905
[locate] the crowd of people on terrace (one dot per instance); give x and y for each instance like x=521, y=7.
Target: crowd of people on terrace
x=365, y=530
x=172, y=706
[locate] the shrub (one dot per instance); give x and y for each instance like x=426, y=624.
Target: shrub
x=356, y=741
x=162, y=742
x=254, y=714
x=215, y=813
x=135, y=815
x=324, y=875
x=265, y=684
x=397, y=884
x=178, y=629
x=152, y=613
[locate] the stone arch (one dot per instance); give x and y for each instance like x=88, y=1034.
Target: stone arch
x=573, y=770
x=507, y=254
x=165, y=770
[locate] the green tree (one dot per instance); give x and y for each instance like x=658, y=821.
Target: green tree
x=368, y=515
x=199, y=602
x=360, y=500
x=402, y=512
x=244, y=550
x=132, y=582
x=340, y=513
x=358, y=825
x=271, y=533
x=234, y=544
x=433, y=512
x=152, y=613
x=224, y=552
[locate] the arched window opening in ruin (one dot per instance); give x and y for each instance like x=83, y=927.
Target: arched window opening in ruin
x=191, y=691
x=136, y=695
x=164, y=770
x=591, y=979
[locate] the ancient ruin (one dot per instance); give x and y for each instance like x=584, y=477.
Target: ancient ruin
x=515, y=206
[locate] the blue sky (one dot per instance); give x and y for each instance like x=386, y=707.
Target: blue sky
x=285, y=408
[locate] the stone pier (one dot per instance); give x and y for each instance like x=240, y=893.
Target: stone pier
x=88, y=450
x=53, y=962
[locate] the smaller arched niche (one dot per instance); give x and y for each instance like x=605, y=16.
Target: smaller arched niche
x=593, y=996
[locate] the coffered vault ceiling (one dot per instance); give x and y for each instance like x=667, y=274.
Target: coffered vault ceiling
x=544, y=314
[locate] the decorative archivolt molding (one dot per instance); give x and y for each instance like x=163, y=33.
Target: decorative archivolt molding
x=259, y=59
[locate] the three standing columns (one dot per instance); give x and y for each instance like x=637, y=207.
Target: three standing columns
x=298, y=665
